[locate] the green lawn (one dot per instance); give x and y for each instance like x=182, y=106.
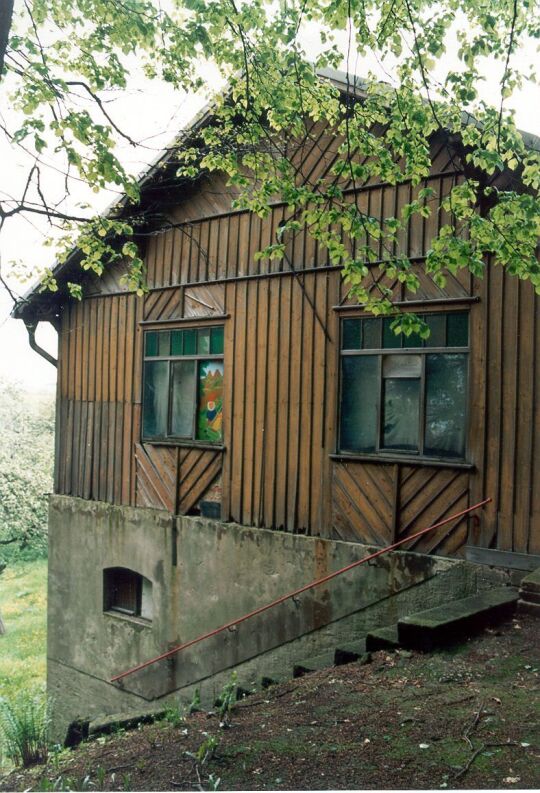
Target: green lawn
x=23, y=607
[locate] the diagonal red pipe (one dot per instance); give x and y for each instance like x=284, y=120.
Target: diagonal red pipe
x=295, y=592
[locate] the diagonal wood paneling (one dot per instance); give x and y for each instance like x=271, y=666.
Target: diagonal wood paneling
x=156, y=476
x=198, y=471
x=379, y=504
x=163, y=304
x=204, y=301
x=427, y=496
x=362, y=496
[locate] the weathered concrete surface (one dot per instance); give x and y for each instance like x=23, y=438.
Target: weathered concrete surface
x=446, y=624
x=205, y=573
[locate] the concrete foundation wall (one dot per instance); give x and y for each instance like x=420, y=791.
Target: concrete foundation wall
x=205, y=573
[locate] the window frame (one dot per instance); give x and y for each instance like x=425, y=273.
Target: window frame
x=143, y=588
x=390, y=455
x=171, y=439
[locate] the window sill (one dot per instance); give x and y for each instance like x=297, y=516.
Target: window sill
x=117, y=615
x=406, y=459
x=191, y=444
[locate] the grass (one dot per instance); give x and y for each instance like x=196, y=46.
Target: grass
x=23, y=607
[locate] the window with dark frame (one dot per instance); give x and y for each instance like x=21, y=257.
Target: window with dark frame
x=404, y=395
x=127, y=592
x=183, y=384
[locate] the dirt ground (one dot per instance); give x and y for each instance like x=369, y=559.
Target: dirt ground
x=467, y=717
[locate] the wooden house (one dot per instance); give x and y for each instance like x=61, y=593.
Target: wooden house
x=246, y=393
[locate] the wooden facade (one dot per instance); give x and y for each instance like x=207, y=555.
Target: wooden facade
x=279, y=465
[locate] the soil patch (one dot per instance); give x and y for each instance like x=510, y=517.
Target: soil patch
x=460, y=718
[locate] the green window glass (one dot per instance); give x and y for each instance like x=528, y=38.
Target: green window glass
x=190, y=342
x=352, y=334
x=458, y=329
x=177, y=342
x=216, y=341
x=151, y=343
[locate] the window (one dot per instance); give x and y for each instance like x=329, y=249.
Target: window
x=404, y=395
x=183, y=384
x=127, y=592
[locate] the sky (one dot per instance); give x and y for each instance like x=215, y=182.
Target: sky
x=165, y=112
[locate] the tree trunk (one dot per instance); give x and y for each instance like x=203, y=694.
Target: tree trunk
x=6, y=15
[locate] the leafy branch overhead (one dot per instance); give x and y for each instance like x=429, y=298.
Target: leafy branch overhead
x=66, y=59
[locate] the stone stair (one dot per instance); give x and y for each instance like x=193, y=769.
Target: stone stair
x=456, y=620
x=529, y=594
x=424, y=630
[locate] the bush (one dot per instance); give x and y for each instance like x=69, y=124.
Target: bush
x=24, y=724
x=26, y=464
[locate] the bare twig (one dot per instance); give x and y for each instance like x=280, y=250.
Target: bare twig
x=478, y=751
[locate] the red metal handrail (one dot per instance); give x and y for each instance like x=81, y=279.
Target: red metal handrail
x=295, y=592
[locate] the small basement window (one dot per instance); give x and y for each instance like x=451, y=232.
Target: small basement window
x=127, y=592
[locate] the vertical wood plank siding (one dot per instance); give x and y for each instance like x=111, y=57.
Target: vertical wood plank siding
x=281, y=384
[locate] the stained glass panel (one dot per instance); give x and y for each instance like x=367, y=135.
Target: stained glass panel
x=210, y=401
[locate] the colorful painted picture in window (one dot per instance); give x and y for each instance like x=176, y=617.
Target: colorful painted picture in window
x=210, y=410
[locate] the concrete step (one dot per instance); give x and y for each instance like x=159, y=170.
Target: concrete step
x=457, y=619
x=313, y=664
x=531, y=582
x=272, y=679
x=349, y=652
x=382, y=639
x=528, y=607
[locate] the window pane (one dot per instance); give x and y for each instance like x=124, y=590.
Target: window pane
x=352, y=334
x=359, y=395
x=176, y=342
x=437, y=326
x=372, y=334
x=401, y=414
x=210, y=416
x=190, y=342
x=183, y=398
x=216, y=341
x=204, y=342
x=412, y=341
x=155, y=400
x=151, y=343
x=402, y=366
x=390, y=339
x=164, y=343
x=446, y=393
x=458, y=329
